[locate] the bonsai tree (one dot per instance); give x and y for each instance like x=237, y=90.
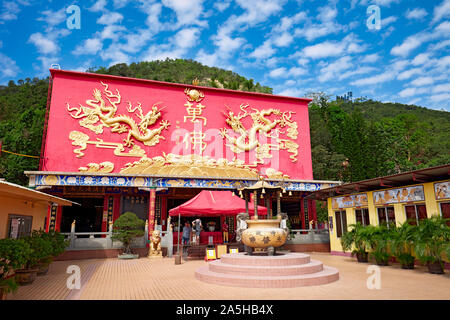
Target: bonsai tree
x=432, y=243
x=356, y=237
x=126, y=228
x=13, y=255
x=402, y=244
x=52, y=245
x=378, y=238
x=40, y=249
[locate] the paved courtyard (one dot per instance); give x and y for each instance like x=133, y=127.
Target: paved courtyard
x=162, y=279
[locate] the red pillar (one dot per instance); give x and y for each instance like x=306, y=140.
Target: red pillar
x=116, y=206
x=105, y=214
x=58, y=218
x=164, y=211
x=302, y=214
x=151, y=211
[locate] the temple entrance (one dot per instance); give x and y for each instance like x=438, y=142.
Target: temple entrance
x=292, y=208
x=88, y=217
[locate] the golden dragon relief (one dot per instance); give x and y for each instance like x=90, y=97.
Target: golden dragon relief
x=100, y=113
x=248, y=138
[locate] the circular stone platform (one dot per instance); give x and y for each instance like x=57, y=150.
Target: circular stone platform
x=279, y=271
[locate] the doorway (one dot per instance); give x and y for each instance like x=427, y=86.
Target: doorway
x=88, y=216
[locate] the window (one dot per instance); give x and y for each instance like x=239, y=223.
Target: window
x=19, y=226
x=445, y=211
x=362, y=216
x=386, y=215
x=415, y=213
x=341, y=223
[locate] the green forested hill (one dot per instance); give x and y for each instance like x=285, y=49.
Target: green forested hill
x=375, y=138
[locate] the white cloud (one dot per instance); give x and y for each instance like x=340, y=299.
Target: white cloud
x=440, y=97
x=90, y=46
x=359, y=71
x=409, y=92
x=324, y=49
x=283, y=72
x=332, y=70
x=187, y=12
x=284, y=40
x=10, y=10
x=110, y=18
x=120, y=3
x=222, y=5
x=380, y=78
x=44, y=44
x=100, y=5
x=407, y=46
x=264, y=51
x=409, y=73
x=370, y=58
x=441, y=11
x=53, y=18
x=8, y=67
x=444, y=87
x=387, y=21
x=421, y=59
x=422, y=81
x=416, y=13
x=187, y=38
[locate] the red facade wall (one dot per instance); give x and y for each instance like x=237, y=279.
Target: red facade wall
x=75, y=91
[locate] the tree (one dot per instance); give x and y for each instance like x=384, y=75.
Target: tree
x=127, y=228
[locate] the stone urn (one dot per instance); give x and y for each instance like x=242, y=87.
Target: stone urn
x=264, y=233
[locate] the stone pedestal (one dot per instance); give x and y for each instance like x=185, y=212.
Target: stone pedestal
x=258, y=271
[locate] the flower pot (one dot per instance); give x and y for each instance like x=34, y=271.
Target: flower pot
x=26, y=277
x=362, y=257
x=409, y=265
x=3, y=292
x=381, y=262
x=435, y=268
x=43, y=268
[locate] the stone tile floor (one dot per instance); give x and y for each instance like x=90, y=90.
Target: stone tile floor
x=162, y=279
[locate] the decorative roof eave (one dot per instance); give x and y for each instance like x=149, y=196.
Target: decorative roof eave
x=45, y=178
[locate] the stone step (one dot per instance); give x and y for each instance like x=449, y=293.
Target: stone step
x=327, y=275
x=256, y=270
x=293, y=258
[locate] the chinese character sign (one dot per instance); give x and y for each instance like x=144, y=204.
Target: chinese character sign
x=110, y=124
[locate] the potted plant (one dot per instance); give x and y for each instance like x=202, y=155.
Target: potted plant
x=13, y=255
x=378, y=238
x=40, y=249
x=402, y=243
x=125, y=229
x=57, y=245
x=432, y=242
x=358, y=238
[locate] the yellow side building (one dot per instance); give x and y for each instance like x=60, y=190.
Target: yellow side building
x=412, y=195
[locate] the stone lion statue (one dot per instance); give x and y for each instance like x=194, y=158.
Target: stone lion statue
x=155, y=244
x=241, y=224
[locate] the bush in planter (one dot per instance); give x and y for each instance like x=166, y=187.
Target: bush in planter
x=432, y=241
x=379, y=238
x=127, y=228
x=54, y=244
x=40, y=249
x=358, y=238
x=402, y=244
x=13, y=255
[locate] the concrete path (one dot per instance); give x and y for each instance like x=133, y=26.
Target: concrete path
x=162, y=279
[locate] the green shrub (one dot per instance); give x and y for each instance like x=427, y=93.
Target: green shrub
x=13, y=255
x=126, y=228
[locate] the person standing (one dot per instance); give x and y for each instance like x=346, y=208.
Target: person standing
x=186, y=233
x=225, y=232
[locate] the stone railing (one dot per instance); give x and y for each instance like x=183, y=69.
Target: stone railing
x=103, y=240
x=305, y=236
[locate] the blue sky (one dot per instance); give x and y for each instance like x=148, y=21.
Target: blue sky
x=293, y=46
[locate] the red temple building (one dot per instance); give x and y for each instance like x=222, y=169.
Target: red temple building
x=115, y=144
